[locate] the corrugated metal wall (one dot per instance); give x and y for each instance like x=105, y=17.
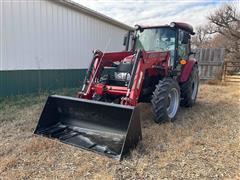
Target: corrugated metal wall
x=47, y=45
x=47, y=35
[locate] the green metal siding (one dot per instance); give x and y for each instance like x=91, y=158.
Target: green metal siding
x=31, y=81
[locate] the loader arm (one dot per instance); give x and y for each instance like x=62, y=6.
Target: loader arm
x=144, y=61
x=99, y=61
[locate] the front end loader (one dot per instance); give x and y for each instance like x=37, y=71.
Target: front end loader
x=104, y=117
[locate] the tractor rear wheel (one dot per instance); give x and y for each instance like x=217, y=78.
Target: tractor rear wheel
x=165, y=100
x=189, y=89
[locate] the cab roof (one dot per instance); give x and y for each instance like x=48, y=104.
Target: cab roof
x=180, y=25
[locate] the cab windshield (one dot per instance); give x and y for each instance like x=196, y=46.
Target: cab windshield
x=156, y=39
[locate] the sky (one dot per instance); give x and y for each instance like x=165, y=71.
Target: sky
x=155, y=12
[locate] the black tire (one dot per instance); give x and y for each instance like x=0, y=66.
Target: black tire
x=189, y=89
x=165, y=100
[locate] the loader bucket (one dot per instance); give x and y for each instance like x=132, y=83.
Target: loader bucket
x=105, y=128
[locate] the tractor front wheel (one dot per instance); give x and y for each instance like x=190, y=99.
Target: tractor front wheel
x=165, y=100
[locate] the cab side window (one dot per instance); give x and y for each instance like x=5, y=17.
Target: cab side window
x=183, y=44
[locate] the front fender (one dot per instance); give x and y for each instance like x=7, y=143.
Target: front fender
x=186, y=70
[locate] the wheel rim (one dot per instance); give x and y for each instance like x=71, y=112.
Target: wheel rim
x=194, y=87
x=173, y=102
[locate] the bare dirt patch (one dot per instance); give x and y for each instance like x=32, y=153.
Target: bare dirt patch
x=203, y=143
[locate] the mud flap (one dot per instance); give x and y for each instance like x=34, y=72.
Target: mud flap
x=105, y=128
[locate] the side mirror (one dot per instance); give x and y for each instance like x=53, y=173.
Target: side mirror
x=185, y=38
x=125, y=40
x=191, y=53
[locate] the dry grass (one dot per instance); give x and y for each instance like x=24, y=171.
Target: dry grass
x=203, y=143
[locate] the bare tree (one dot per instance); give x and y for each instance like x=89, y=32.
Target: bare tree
x=204, y=38
x=201, y=37
x=222, y=30
x=226, y=22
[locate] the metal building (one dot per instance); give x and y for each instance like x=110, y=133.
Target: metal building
x=48, y=44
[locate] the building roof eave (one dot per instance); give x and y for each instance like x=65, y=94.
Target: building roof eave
x=88, y=11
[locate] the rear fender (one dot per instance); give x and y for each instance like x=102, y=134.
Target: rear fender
x=186, y=70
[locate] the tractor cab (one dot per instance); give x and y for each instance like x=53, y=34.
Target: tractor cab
x=174, y=38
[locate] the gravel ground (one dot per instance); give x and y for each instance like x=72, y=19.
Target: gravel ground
x=202, y=143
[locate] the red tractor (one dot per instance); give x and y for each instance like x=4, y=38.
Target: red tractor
x=158, y=68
